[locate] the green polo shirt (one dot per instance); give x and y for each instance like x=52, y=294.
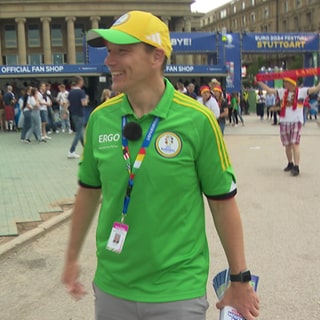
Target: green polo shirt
x=165, y=255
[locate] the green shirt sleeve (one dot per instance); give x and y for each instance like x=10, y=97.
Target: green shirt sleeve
x=88, y=173
x=216, y=175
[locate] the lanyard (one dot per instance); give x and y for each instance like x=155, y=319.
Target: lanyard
x=138, y=161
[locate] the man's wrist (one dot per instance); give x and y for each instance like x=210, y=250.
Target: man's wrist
x=242, y=276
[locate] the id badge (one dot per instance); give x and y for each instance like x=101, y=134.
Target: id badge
x=117, y=237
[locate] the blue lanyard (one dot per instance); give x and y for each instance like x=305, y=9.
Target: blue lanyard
x=138, y=161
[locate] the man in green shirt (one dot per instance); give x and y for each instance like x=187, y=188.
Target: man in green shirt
x=152, y=153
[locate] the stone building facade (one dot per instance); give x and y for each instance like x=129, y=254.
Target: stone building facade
x=52, y=32
x=264, y=16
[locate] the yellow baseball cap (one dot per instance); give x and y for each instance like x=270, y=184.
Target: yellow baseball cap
x=134, y=27
x=291, y=80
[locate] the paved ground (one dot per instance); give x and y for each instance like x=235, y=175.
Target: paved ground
x=280, y=216
x=35, y=178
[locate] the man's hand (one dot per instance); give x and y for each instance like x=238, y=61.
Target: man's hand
x=70, y=279
x=242, y=297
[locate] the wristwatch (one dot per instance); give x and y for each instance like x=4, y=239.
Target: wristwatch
x=243, y=276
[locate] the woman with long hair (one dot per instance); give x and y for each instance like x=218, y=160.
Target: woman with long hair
x=34, y=105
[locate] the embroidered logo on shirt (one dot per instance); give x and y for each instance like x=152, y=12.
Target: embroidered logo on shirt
x=168, y=144
x=109, y=140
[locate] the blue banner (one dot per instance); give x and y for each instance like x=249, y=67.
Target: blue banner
x=195, y=69
x=279, y=42
x=86, y=69
x=45, y=69
x=193, y=42
x=182, y=42
x=96, y=55
x=232, y=58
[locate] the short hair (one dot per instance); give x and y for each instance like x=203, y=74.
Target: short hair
x=77, y=80
x=150, y=48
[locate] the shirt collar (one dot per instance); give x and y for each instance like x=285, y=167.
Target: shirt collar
x=162, y=108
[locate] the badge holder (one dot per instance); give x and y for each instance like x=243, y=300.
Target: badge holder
x=117, y=237
x=119, y=230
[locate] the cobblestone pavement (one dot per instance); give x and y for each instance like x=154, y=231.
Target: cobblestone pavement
x=34, y=178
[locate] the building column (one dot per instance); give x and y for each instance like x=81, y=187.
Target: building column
x=71, y=40
x=22, y=51
x=179, y=27
x=166, y=20
x=197, y=59
x=188, y=59
x=46, y=38
x=95, y=22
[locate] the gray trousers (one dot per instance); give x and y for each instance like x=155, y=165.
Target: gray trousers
x=108, y=307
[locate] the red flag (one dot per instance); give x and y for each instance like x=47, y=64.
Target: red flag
x=298, y=73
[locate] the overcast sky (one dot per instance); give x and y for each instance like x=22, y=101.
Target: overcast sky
x=207, y=5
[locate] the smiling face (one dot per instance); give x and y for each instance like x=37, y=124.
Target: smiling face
x=132, y=66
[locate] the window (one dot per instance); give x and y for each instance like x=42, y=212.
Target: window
x=35, y=59
x=296, y=23
x=253, y=2
x=309, y=16
x=284, y=26
x=285, y=6
x=79, y=57
x=11, y=59
x=10, y=36
x=33, y=36
x=298, y=3
x=56, y=35
x=223, y=14
x=78, y=34
x=243, y=5
x=253, y=17
x=234, y=9
x=58, y=58
x=266, y=12
x=235, y=23
x=244, y=20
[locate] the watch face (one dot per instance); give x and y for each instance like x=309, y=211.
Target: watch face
x=246, y=276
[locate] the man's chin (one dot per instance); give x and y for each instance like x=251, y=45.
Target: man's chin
x=116, y=87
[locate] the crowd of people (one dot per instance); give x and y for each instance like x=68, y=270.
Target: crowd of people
x=36, y=112
x=227, y=108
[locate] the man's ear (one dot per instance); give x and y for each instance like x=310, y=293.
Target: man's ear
x=158, y=57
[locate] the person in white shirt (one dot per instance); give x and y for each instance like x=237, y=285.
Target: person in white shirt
x=209, y=101
x=62, y=99
x=291, y=118
x=44, y=103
